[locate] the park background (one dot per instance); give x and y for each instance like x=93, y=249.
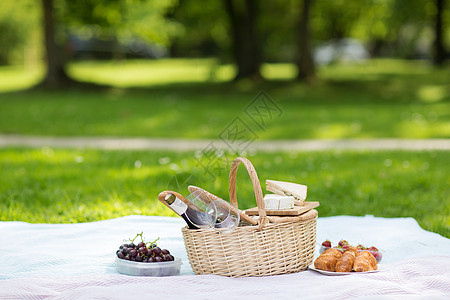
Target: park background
x=330, y=70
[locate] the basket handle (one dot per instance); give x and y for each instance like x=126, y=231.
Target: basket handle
x=256, y=187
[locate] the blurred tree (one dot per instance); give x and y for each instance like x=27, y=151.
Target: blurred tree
x=336, y=19
x=278, y=39
x=124, y=19
x=399, y=28
x=205, y=32
x=439, y=51
x=56, y=76
x=402, y=28
x=247, y=31
x=246, y=46
x=305, y=62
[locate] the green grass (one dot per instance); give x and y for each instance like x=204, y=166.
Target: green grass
x=48, y=185
x=192, y=99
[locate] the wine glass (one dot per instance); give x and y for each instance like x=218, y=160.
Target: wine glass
x=225, y=215
x=196, y=211
x=218, y=214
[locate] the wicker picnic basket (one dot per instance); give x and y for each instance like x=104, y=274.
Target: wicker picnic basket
x=275, y=245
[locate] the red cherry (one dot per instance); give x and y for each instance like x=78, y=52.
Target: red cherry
x=327, y=244
x=343, y=242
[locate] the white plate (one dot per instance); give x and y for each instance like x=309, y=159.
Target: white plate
x=311, y=267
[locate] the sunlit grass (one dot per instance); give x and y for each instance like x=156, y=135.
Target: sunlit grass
x=192, y=99
x=138, y=73
x=193, y=114
x=433, y=93
x=279, y=71
x=374, y=68
x=13, y=78
x=48, y=185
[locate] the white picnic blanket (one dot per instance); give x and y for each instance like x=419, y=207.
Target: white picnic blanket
x=76, y=261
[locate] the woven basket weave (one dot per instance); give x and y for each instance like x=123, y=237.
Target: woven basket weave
x=266, y=249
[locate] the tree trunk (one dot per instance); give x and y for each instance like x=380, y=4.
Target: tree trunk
x=245, y=41
x=305, y=63
x=439, y=51
x=56, y=76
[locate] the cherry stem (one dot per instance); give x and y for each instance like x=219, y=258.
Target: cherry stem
x=139, y=234
x=151, y=243
x=142, y=240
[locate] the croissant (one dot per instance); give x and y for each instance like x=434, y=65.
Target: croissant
x=328, y=259
x=364, y=262
x=345, y=263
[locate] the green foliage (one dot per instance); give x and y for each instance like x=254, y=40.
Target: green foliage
x=278, y=24
x=335, y=19
x=17, y=19
x=399, y=28
x=49, y=185
x=205, y=29
x=403, y=28
x=404, y=25
x=21, y=30
x=124, y=19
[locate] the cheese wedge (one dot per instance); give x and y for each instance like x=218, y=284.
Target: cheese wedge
x=277, y=202
x=298, y=191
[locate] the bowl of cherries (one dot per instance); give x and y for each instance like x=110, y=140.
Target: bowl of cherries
x=145, y=259
x=343, y=245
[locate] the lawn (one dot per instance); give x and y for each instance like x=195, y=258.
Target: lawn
x=193, y=99
x=68, y=185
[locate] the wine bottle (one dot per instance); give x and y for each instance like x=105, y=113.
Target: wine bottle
x=194, y=218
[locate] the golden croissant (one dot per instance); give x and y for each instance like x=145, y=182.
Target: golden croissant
x=345, y=263
x=328, y=259
x=365, y=262
x=332, y=260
